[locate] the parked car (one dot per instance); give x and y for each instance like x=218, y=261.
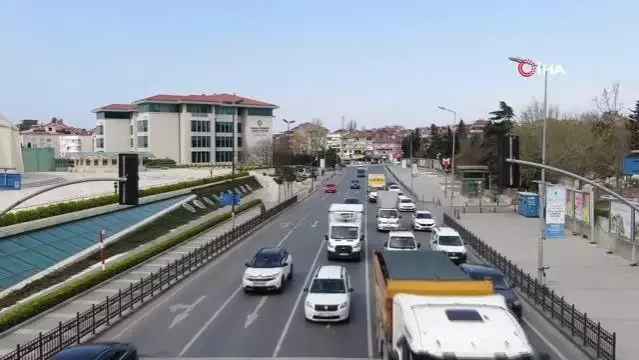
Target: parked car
x=330, y=188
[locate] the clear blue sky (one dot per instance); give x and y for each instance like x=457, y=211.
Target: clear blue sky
x=378, y=62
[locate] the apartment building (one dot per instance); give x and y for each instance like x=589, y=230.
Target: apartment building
x=190, y=129
x=64, y=139
x=306, y=138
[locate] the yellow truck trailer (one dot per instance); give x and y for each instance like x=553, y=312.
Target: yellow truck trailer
x=376, y=182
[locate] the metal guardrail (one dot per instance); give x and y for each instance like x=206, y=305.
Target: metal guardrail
x=572, y=322
x=87, y=323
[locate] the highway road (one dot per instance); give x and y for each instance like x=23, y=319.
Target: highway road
x=208, y=316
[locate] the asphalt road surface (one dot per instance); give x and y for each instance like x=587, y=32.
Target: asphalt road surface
x=207, y=315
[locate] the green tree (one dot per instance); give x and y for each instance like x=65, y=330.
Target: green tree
x=460, y=134
x=500, y=125
x=632, y=124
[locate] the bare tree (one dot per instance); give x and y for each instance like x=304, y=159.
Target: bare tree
x=609, y=102
x=535, y=112
x=318, y=122
x=261, y=153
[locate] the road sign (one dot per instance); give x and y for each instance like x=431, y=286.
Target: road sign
x=631, y=165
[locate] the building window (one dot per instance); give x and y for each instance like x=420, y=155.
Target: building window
x=223, y=156
x=224, y=110
x=105, y=162
x=114, y=161
x=200, y=141
x=239, y=128
x=200, y=126
x=223, y=127
x=199, y=109
x=143, y=125
x=99, y=143
x=223, y=141
x=130, y=129
x=165, y=108
x=143, y=142
x=131, y=141
x=259, y=112
x=87, y=162
x=99, y=130
x=200, y=157
x=239, y=142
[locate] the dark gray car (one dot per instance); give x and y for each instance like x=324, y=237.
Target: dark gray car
x=500, y=284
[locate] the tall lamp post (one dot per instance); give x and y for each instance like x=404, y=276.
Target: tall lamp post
x=452, y=157
x=542, y=183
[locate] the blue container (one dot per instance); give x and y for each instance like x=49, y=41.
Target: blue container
x=528, y=204
x=10, y=181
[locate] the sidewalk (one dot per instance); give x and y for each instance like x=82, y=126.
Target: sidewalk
x=83, y=302
x=601, y=285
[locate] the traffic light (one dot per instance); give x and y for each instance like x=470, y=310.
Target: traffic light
x=128, y=168
x=508, y=147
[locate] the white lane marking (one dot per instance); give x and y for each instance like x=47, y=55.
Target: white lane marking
x=314, y=224
x=324, y=197
x=228, y=301
x=205, y=270
x=545, y=339
x=250, y=318
x=183, y=311
x=367, y=285
x=280, y=341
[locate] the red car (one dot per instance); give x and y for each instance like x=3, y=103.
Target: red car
x=330, y=188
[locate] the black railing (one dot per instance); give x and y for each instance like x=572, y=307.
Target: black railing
x=89, y=322
x=574, y=323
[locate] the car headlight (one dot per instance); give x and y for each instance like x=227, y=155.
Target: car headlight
x=516, y=302
x=343, y=305
x=308, y=304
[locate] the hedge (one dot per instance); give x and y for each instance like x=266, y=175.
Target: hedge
x=169, y=163
x=41, y=304
x=46, y=211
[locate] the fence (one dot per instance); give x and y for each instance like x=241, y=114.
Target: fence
x=113, y=307
x=572, y=322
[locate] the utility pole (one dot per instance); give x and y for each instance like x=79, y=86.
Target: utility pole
x=341, y=140
x=410, y=150
x=233, y=165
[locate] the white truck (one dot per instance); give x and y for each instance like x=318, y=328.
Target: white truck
x=345, y=231
x=428, y=308
x=388, y=218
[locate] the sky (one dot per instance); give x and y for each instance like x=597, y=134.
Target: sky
x=376, y=62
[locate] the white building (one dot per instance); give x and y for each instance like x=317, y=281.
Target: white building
x=190, y=129
x=10, y=149
x=62, y=138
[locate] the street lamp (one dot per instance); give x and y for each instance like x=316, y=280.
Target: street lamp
x=290, y=146
x=452, y=158
x=542, y=184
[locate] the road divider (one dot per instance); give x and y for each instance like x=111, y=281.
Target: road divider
x=88, y=323
x=581, y=330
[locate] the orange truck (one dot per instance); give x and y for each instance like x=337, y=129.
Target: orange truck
x=428, y=308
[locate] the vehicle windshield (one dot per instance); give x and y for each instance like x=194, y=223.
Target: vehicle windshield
x=330, y=185
x=388, y=214
x=499, y=282
x=328, y=286
x=450, y=241
x=344, y=232
x=351, y=201
x=393, y=187
x=402, y=242
x=270, y=260
x=405, y=200
x=355, y=182
x=423, y=216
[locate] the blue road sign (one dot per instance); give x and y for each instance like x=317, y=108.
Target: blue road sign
x=631, y=165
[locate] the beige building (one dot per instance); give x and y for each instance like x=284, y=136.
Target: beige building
x=62, y=138
x=191, y=129
x=10, y=149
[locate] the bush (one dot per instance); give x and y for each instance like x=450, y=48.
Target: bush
x=40, y=304
x=160, y=163
x=46, y=211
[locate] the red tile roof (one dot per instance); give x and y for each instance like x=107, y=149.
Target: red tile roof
x=117, y=107
x=214, y=98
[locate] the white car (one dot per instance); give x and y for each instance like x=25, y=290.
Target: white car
x=405, y=203
x=448, y=240
x=401, y=241
x=372, y=196
x=423, y=220
x=269, y=269
x=329, y=295
x=393, y=187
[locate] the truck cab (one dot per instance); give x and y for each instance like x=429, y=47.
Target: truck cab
x=401, y=241
x=345, y=231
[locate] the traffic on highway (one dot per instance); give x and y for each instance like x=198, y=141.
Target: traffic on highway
x=305, y=286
